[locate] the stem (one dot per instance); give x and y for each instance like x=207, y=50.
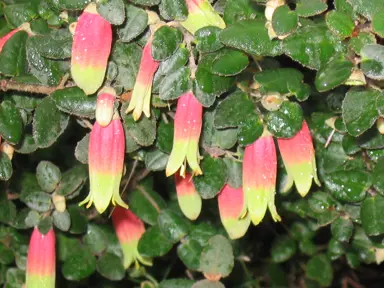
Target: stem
x=151, y=278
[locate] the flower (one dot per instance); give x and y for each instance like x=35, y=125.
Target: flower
x=201, y=14
x=106, y=164
x=187, y=196
x=259, y=178
x=188, y=122
x=141, y=95
x=233, y=211
x=41, y=261
x=91, y=47
x=299, y=159
x=105, y=106
x=129, y=229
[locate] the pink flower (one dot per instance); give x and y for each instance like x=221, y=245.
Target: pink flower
x=187, y=196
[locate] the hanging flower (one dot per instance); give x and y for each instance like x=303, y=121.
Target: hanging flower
x=91, y=47
x=187, y=196
x=106, y=164
x=233, y=211
x=299, y=159
x=259, y=178
x=129, y=229
x=141, y=95
x=41, y=262
x=201, y=14
x=105, y=106
x=188, y=122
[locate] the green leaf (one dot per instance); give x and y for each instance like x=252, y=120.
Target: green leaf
x=165, y=137
x=175, y=84
x=55, y=45
x=208, y=284
x=61, y=220
x=38, y=201
x=367, y=8
x=172, y=225
x=45, y=224
x=250, y=36
x=364, y=38
x=175, y=62
x=156, y=160
x=340, y=23
x=350, y=145
x=209, y=82
x=286, y=121
x=233, y=110
x=153, y=243
x=215, y=176
x=173, y=10
x=11, y=123
x=72, y=179
x=378, y=23
x=189, y=252
x=111, y=267
x=18, y=14
x=250, y=130
x=217, y=257
x=146, y=203
x=319, y=268
x=165, y=42
x=359, y=110
x=72, y=4
x=95, y=239
x=283, y=249
x=378, y=181
x=348, y=186
x=113, y=11
x=48, y=175
x=79, y=266
x=176, y=283
x=81, y=150
x=78, y=219
x=207, y=39
x=334, y=73
x=229, y=62
x=342, y=229
x=142, y=131
x=205, y=99
x=135, y=24
x=372, y=61
x=13, y=55
x=335, y=249
x=146, y=2
x=236, y=10
x=284, y=20
x=308, y=8
x=370, y=213
x=235, y=173
x=6, y=255
x=74, y=101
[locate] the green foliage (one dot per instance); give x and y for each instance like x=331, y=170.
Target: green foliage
x=267, y=68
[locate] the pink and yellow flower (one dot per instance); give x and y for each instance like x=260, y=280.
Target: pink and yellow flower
x=259, y=178
x=233, y=211
x=91, y=47
x=299, y=159
x=201, y=14
x=129, y=229
x=188, y=122
x=106, y=164
x=187, y=196
x=41, y=261
x=105, y=106
x=141, y=95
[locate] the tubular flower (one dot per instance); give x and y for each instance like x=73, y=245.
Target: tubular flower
x=201, y=14
x=105, y=106
x=259, y=178
x=129, y=229
x=41, y=262
x=106, y=164
x=299, y=159
x=187, y=196
x=91, y=47
x=23, y=27
x=141, y=95
x=233, y=211
x=188, y=122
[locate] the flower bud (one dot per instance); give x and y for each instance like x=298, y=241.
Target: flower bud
x=105, y=106
x=91, y=47
x=41, y=262
x=187, y=196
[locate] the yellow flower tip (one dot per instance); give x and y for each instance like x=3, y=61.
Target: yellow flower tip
x=136, y=115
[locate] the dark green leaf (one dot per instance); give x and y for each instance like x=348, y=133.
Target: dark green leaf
x=95, y=239
x=78, y=219
x=207, y=39
x=283, y=249
x=20, y=13
x=172, y=225
x=284, y=21
x=111, y=267
x=38, y=201
x=340, y=23
x=61, y=220
x=13, y=55
x=112, y=11
x=173, y=10
x=372, y=61
x=154, y=243
x=135, y=24
x=48, y=175
x=250, y=130
x=6, y=255
x=175, y=62
x=165, y=42
x=45, y=225
x=72, y=4
x=319, y=268
x=55, y=45
x=364, y=38
x=208, y=284
x=156, y=160
x=81, y=151
x=79, y=266
x=335, y=249
x=189, y=252
x=367, y=8
x=308, y=8
x=229, y=62
x=342, y=229
x=176, y=283
x=165, y=137
x=175, y=84
x=146, y=2
x=370, y=213
x=72, y=179
x=11, y=123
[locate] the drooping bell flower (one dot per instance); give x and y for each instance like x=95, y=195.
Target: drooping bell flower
x=41, y=261
x=299, y=159
x=187, y=196
x=141, y=95
x=129, y=229
x=23, y=27
x=259, y=178
x=105, y=106
x=201, y=14
x=91, y=47
x=188, y=122
x=233, y=211
x=106, y=164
